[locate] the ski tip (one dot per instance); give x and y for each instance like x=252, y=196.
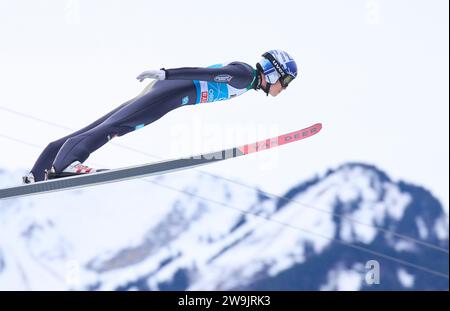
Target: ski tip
x=316, y=128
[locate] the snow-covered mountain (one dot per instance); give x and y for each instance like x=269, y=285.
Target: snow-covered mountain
x=194, y=231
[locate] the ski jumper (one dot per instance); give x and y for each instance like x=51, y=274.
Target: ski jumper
x=183, y=86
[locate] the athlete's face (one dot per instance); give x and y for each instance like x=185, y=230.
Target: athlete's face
x=276, y=89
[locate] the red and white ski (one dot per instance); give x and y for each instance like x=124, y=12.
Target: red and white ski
x=157, y=168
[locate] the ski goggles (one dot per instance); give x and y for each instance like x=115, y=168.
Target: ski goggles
x=285, y=78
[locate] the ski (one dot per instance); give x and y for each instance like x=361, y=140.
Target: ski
x=156, y=168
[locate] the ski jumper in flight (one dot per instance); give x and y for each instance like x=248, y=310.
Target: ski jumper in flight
x=172, y=88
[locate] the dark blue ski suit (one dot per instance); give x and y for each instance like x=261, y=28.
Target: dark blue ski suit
x=183, y=86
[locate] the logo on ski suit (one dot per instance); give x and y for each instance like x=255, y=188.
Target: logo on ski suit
x=214, y=91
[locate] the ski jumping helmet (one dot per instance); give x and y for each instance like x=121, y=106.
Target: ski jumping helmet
x=277, y=65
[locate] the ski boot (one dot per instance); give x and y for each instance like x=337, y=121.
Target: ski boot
x=74, y=169
x=28, y=179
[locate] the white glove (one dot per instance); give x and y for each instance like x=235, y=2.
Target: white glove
x=152, y=74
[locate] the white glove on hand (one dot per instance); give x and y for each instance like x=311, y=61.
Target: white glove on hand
x=152, y=74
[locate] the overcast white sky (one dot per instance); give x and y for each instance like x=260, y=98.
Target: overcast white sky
x=375, y=73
